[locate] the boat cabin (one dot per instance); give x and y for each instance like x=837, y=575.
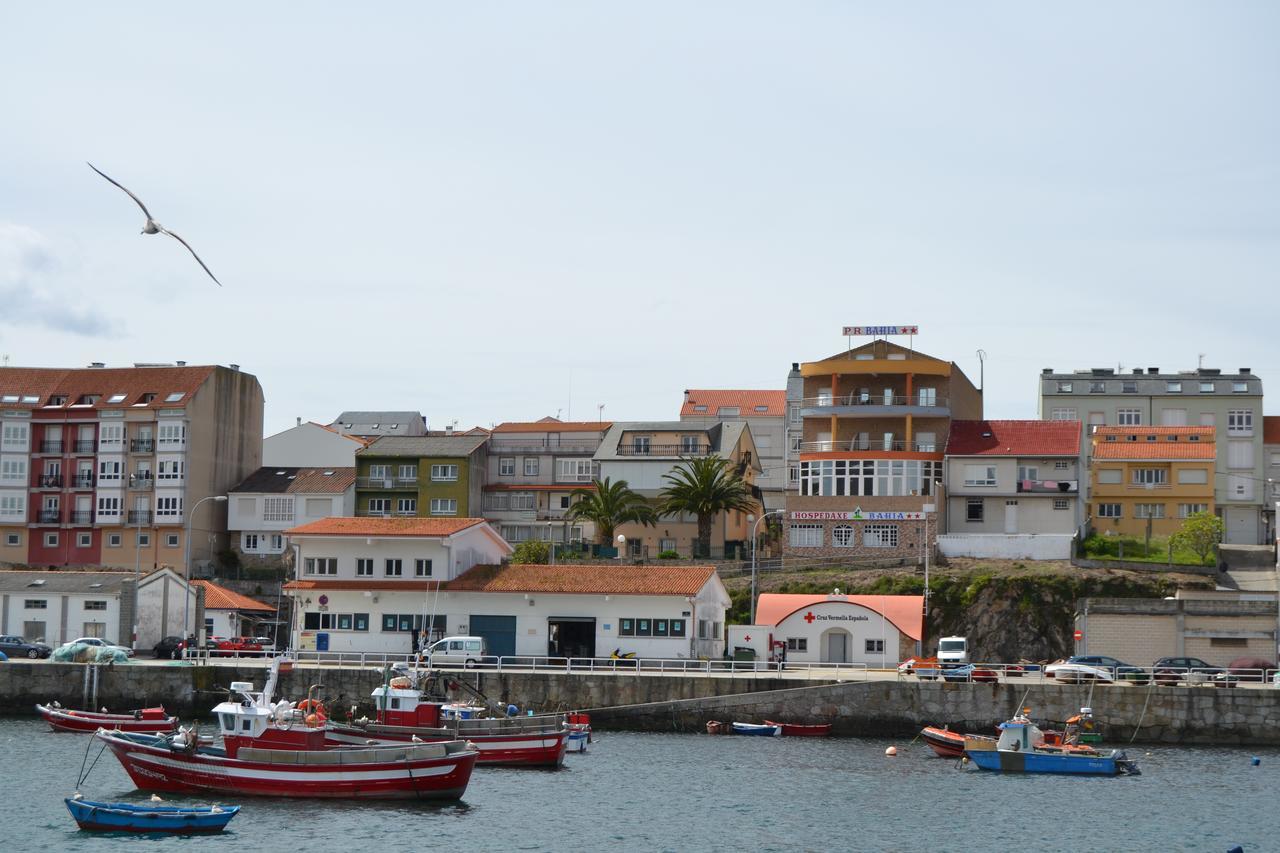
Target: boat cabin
x=404, y=706
x=253, y=722
x=1019, y=734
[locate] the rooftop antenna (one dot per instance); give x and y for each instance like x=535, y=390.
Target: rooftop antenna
x=1199, y=361
x=558, y=411
x=4, y=360
x=600, y=412
x=982, y=365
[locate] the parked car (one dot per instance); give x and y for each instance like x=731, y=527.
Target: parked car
x=1251, y=669
x=170, y=647
x=1190, y=670
x=236, y=646
x=18, y=647
x=457, y=651
x=1113, y=669
x=101, y=643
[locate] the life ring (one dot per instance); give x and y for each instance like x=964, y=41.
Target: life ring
x=314, y=712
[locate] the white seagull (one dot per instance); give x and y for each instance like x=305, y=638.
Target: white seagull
x=153, y=227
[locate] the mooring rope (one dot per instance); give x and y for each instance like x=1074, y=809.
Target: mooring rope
x=80, y=781
x=1143, y=715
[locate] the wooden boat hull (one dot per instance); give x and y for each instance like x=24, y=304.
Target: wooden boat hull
x=413, y=771
x=532, y=748
x=798, y=730
x=756, y=730
x=129, y=817
x=145, y=720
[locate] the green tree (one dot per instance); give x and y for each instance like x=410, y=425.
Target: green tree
x=607, y=505
x=1199, y=534
x=705, y=486
x=532, y=551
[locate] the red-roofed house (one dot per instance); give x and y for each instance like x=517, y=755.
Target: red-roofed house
x=876, y=630
x=227, y=613
x=765, y=412
x=1150, y=477
x=1013, y=489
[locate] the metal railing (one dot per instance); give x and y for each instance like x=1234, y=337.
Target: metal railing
x=82, y=481
x=51, y=447
x=857, y=399
x=882, y=445
x=387, y=482
x=139, y=516
x=1048, y=486
x=142, y=445
x=139, y=483
x=82, y=516
x=85, y=446
x=49, y=516
x=49, y=481
x=515, y=445
x=664, y=449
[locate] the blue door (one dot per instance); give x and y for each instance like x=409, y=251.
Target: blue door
x=499, y=633
x=322, y=642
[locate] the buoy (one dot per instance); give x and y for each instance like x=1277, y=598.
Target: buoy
x=1255, y=761
x=155, y=798
x=893, y=750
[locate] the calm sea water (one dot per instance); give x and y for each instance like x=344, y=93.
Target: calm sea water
x=697, y=792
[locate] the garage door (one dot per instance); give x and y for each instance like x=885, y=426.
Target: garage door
x=499, y=633
x=1242, y=526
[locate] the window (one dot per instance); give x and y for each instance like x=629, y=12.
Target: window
x=1129, y=417
x=174, y=396
x=1206, y=419
x=1239, y=487
x=84, y=540
x=1150, y=476
x=1108, y=510
x=320, y=565
x=1097, y=387
x=422, y=568
x=168, y=507
x=1062, y=415
x=1172, y=387
x=111, y=435
x=277, y=543
x=444, y=506
x=1240, y=422
x=575, y=470
x=318, y=507
x=1188, y=510
x=12, y=540
x=450, y=472
x=523, y=500
x=364, y=567
x=1061, y=503
x=95, y=605
x=842, y=536
x=172, y=435
x=793, y=413
x=1148, y=510
x=13, y=469
x=506, y=466
x=1193, y=476
x=108, y=471
x=36, y=604
x=406, y=506
x=249, y=542
x=1064, y=387
x=880, y=536
x=408, y=473
x=171, y=540
x=806, y=536
x=974, y=509
x=379, y=506
x=108, y=507
x=144, y=540
x=1061, y=465
x=1173, y=417
x=531, y=466
x=979, y=475
x=797, y=644
x=113, y=540
x=14, y=437
x=277, y=509
x=1129, y=386
x=640, y=445
x=13, y=506
x=874, y=646
x=393, y=568
x=380, y=472
x=1028, y=472
x=1206, y=387
x=1239, y=454
x=1239, y=387
x=170, y=469
x=728, y=411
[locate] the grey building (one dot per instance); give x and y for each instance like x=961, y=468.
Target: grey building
x=1229, y=402
x=375, y=424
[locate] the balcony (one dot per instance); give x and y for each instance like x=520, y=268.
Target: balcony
x=142, y=445
x=139, y=516
x=138, y=483
x=1145, y=487
x=664, y=450
x=49, y=481
x=1045, y=487
x=51, y=446
x=543, y=446
x=386, y=483
x=82, y=481
x=84, y=447
x=49, y=516
x=875, y=405
x=81, y=516
x=881, y=446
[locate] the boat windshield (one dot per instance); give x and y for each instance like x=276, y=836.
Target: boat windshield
x=951, y=646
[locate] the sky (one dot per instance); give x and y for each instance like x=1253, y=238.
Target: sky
x=500, y=211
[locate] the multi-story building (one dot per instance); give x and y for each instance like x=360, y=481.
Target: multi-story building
x=1013, y=489
x=644, y=453
x=311, y=445
x=1271, y=450
x=271, y=500
x=531, y=472
x=1150, y=477
x=378, y=424
x=867, y=430
x=422, y=475
x=1230, y=403
x=766, y=412
x=99, y=466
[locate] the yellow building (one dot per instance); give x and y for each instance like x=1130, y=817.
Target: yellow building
x=1155, y=475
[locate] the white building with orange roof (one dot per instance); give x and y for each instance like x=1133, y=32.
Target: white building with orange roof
x=875, y=630
x=228, y=613
x=766, y=412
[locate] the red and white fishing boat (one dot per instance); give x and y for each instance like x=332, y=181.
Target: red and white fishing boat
x=801, y=730
x=151, y=720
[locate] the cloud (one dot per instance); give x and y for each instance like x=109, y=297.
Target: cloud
x=30, y=268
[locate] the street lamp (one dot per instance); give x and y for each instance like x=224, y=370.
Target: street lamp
x=622, y=543
x=756, y=523
x=551, y=543
x=186, y=541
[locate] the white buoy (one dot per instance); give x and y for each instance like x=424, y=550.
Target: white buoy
x=893, y=750
x=155, y=798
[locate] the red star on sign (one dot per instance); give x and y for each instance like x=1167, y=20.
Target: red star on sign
x=808, y=617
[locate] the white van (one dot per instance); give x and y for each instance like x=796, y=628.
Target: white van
x=456, y=651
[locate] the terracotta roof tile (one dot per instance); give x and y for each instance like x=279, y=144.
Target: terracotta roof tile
x=282, y=479
x=746, y=401
x=104, y=382
x=553, y=425
x=220, y=598
x=411, y=586
x=346, y=526
x=1164, y=447
x=1271, y=429
x=1014, y=438
x=592, y=580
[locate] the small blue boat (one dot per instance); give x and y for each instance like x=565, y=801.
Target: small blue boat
x=577, y=740
x=757, y=730
x=130, y=817
x=1021, y=748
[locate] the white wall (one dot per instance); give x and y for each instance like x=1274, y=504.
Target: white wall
x=450, y=557
x=160, y=608
x=862, y=624
x=309, y=446
x=60, y=607
x=1044, y=546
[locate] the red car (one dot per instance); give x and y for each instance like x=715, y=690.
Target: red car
x=233, y=646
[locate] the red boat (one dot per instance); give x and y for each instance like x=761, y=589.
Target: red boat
x=151, y=720
x=797, y=730
x=949, y=744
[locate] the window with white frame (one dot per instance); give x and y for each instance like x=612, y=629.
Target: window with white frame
x=975, y=509
x=171, y=540
x=144, y=540
x=1129, y=417
x=979, y=475
x=111, y=435
x=444, y=506
x=1150, y=476
x=422, y=568
x=14, y=436
x=84, y=540
x=794, y=440
x=408, y=473
x=842, y=536
x=406, y=506
x=1028, y=472
x=168, y=507
x=523, y=500
x=1148, y=510
x=874, y=647
x=379, y=472
x=51, y=540
x=379, y=506
x=108, y=471
x=1172, y=387
x=1240, y=422
x=249, y=542
x=449, y=473
x=531, y=466
x=364, y=567
x=1062, y=414
x=171, y=435
x=1239, y=487
x=1193, y=476
x=108, y=508
x=13, y=540
x=1239, y=454
x=277, y=509
x=320, y=565
x=1064, y=387
x=1108, y=511
x=1239, y=387
x=114, y=540
x=1129, y=386
x=393, y=567
x=1206, y=387
x=797, y=644
x=576, y=470
x=169, y=469
x=1061, y=503
x=1188, y=510
x=276, y=542
x=1061, y=465
x=1097, y=387
x=880, y=535
x=793, y=413
x=13, y=506
x=506, y=466
x=497, y=501
x=806, y=536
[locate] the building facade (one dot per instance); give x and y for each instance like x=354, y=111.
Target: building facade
x=1230, y=403
x=866, y=435
x=311, y=445
x=379, y=424
x=766, y=413
x=99, y=466
x=1150, y=478
x=440, y=476
x=269, y=501
x=227, y=613
x=1271, y=450
x=874, y=630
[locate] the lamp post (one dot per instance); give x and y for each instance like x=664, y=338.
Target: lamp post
x=551, y=543
x=754, y=524
x=622, y=543
x=186, y=563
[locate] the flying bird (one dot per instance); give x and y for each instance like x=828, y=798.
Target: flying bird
x=153, y=227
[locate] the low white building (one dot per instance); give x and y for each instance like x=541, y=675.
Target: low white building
x=875, y=630
x=311, y=445
x=374, y=584
x=168, y=607
x=227, y=613
x=271, y=500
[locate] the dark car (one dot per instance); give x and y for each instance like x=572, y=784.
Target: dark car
x=170, y=647
x=1251, y=669
x=17, y=647
x=1190, y=670
x=1119, y=670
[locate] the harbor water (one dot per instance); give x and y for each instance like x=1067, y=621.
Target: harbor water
x=699, y=792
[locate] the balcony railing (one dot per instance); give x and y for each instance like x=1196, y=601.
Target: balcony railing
x=51, y=447
x=856, y=399
x=664, y=449
x=85, y=446
x=82, y=481
x=139, y=483
x=139, y=516
x=82, y=516
x=49, y=481
x=142, y=445
x=533, y=445
x=857, y=444
x=1147, y=487
x=49, y=516
x=1048, y=486
x=386, y=482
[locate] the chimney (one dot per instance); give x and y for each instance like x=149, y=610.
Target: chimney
x=180, y=363
x=1245, y=371
x=97, y=364
x=686, y=395
x=1048, y=371
x=448, y=430
x=299, y=421
x=1137, y=371
x=1154, y=371
x=235, y=367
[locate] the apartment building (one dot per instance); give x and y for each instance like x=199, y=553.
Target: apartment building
x=1150, y=478
x=1271, y=451
x=262, y=506
x=766, y=413
x=532, y=470
x=100, y=466
x=1013, y=489
x=378, y=424
x=866, y=434
x=1230, y=403
x=311, y=445
x=644, y=452
x=424, y=475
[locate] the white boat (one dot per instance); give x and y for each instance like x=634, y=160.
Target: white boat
x=1077, y=672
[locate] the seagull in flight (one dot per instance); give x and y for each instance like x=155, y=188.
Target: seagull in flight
x=153, y=227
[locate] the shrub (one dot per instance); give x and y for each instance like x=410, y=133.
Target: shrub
x=532, y=551
x=668, y=555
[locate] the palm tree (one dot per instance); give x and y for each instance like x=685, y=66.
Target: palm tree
x=608, y=505
x=705, y=486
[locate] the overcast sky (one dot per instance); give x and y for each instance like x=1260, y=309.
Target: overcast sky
x=498, y=211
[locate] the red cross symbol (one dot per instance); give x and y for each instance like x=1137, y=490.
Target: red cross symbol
x=808, y=617
x=747, y=638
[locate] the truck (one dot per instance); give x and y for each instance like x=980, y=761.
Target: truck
x=953, y=651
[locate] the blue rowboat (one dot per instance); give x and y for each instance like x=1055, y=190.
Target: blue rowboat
x=756, y=730
x=128, y=817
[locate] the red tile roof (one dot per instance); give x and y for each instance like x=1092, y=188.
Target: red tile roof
x=1271, y=429
x=1014, y=438
x=1140, y=431
x=345, y=526
x=411, y=586
x=775, y=402
x=323, y=480
x=104, y=382
x=220, y=598
x=553, y=425
x=1154, y=450
x=588, y=580
x=906, y=612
